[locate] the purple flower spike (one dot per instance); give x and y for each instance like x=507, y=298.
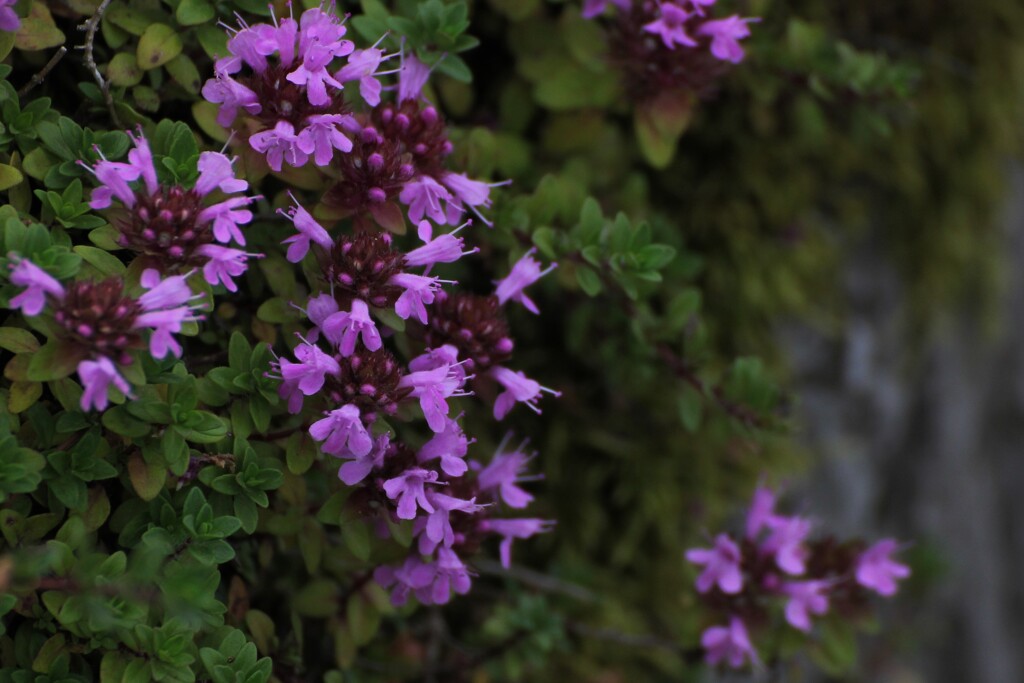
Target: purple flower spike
x=805, y=598
x=518, y=389
x=786, y=542
x=312, y=369
x=281, y=144
x=511, y=529
x=37, y=283
x=524, y=273
x=729, y=643
x=354, y=471
x=670, y=26
x=216, y=173
x=503, y=474
x=322, y=135
x=226, y=217
x=725, y=37
x=450, y=445
x=224, y=264
x=345, y=327
x=420, y=291
x=407, y=489
x=878, y=571
x=96, y=376
x=721, y=566
x=342, y=433
x=309, y=231
x=445, y=248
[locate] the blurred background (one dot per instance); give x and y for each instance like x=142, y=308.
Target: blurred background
x=848, y=206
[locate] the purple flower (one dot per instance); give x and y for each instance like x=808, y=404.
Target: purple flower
x=433, y=388
x=805, y=598
x=407, y=488
x=342, y=433
x=725, y=36
x=721, y=566
x=37, y=283
x=114, y=177
x=593, y=8
x=451, y=575
x=445, y=248
x=163, y=292
x=224, y=264
x=424, y=196
x=281, y=144
x=9, y=20
x=450, y=445
x=216, y=173
x=518, y=388
x=355, y=470
x=762, y=511
x=226, y=217
x=96, y=376
x=419, y=292
x=512, y=529
x=411, y=79
x=524, y=273
x=231, y=96
x=730, y=643
x=322, y=135
x=313, y=74
x=438, y=528
x=345, y=327
x=878, y=571
x=466, y=191
x=413, y=575
x=670, y=26
x=786, y=542
x=165, y=324
x=311, y=371
x=308, y=231
x=142, y=159
x=362, y=66
x=503, y=473
x=320, y=307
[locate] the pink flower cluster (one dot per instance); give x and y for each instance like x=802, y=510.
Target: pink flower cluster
x=179, y=228
x=343, y=367
x=101, y=325
x=777, y=563
x=684, y=23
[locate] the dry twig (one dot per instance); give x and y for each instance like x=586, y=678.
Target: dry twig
x=90, y=61
x=41, y=75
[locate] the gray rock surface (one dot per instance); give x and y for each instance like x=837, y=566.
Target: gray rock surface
x=926, y=442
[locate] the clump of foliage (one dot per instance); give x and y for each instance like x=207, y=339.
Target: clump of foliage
x=251, y=430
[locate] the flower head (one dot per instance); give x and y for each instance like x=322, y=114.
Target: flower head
x=407, y=489
x=97, y=375
x=518, y=389
x=725, y=37
x=524, y=273
x=729, y=643
x=345, y=327
x=670, y=26
x=805, y=598
x=878, y=571
x=503, y=474
x=310, y=372
x=342, y=433
x=37, y=283
x=9, y=19
x=721, y=566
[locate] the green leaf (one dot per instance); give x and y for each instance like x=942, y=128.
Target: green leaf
x=123, y=70
x=589, y=281
x=56, y=359
x=37, y=30
x=357, y=538
x=158, y=45
x=691, y=407
x=194, y=12
x=9, y=177
x=105, y=263
x=17, y=340
x=184, y=72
